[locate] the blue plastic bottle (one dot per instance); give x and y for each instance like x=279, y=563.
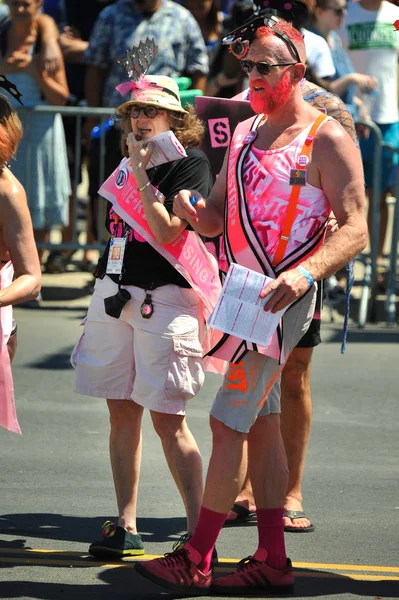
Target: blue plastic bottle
x=96, y=131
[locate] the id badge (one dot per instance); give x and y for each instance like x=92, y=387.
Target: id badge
x=298, y=177
x=115, y=256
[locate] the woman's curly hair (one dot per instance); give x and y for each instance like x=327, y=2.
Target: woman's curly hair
x=187, y=127
x=10, y=131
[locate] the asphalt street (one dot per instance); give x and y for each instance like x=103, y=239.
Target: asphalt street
x=56, y=485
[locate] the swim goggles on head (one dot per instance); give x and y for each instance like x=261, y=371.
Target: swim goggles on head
x=241, y=38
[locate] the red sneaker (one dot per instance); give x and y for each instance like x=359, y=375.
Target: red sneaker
x=177, y=571
x=253, y=575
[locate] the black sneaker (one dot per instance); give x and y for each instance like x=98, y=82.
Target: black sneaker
x=186, y=537
x=116, y=542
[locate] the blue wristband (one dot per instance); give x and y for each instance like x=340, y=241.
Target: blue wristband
x=306, y=274
x=193, y=200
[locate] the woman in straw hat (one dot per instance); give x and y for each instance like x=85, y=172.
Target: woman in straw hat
x=141, y=343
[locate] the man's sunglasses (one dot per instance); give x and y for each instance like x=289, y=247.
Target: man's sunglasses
x=339, y=11
x=149, y=111
x=263, y=68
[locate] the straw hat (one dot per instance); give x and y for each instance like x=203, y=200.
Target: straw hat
x=154, y=90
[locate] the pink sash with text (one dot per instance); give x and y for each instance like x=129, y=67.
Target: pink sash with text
x=187, y=253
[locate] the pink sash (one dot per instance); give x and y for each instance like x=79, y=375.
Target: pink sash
x=8, y=415
x=243, y=245
x=187, y=254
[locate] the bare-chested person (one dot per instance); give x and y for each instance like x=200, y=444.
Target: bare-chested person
x=274, y=228
x=20, y=274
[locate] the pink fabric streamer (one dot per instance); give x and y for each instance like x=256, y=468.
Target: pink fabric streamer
x=8, y=415
x=130, y=86
x=125, y=88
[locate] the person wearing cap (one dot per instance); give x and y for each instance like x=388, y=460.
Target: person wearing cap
x=320, y=66
x=272, y=200
x=150, y=355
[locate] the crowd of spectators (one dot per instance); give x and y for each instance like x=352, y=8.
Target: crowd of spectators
x=352, y=51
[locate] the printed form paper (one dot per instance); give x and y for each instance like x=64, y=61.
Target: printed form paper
x=240, y=311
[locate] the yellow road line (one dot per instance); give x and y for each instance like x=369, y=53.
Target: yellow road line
x=346, y=567
x=39, y=551
x=99, y=565
x=89, y=563
x=298, y=565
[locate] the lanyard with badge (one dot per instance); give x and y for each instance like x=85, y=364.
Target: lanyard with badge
x=116, y=255
x=117, y=247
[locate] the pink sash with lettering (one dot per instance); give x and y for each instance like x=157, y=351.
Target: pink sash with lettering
x=8, y=415
x=187, y=253
x=244, y=246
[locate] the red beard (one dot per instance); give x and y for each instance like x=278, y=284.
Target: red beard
x=272, y=98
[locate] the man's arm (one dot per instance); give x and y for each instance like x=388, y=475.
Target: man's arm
x=94, y=84
x=197, y=62
x=198, y=81
x=341, y=176
x=342, y=180
x=207, y=215
x=97, y=59
x=73, y=48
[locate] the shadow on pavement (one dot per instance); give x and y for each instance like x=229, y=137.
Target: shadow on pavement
x=126, y=583
x=59, y=361
x=66, y=293
x=83, y=529
x=370, y=335
x=116, y=584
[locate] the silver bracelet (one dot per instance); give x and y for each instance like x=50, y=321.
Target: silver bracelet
x=144, y=187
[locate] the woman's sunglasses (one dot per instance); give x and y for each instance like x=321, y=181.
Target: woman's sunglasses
x=149, y=111
x=263, y=68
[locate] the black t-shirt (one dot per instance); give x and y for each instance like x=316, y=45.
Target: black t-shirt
x=142, y=265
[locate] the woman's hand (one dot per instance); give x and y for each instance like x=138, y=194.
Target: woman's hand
x=140, y=154
x=366, y=83
x=18, y=62
x=363, y=132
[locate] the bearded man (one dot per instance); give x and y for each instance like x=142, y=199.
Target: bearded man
x=285, y=171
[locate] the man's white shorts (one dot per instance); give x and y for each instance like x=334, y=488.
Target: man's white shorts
x=156, y=362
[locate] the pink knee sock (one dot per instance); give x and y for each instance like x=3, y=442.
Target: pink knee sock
x=271, y=536
x=205, y=535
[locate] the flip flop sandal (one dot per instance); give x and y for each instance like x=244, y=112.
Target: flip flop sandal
x=297, y=514
x=243, y=516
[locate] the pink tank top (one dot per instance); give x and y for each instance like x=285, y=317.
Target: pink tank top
x=268, y=190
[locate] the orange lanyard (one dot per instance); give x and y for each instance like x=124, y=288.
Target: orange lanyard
x=296, y=190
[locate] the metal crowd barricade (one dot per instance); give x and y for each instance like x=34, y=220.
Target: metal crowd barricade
x=368, y=298
x=79, y=113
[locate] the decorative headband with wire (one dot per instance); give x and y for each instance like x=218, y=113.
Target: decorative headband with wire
x=241, y=38
x=136, y=64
